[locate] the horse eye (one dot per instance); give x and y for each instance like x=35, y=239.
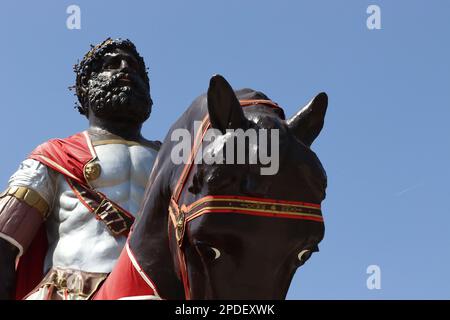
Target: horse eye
x=216, y=253
x=304, y=255
x=209, y=251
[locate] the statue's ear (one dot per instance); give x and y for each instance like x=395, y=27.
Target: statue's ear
x=225, y=111
x=308, y=122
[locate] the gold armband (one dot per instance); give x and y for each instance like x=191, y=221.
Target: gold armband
x=30, y=197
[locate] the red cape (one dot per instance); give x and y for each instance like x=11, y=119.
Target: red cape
x=127, y=281
x=67, y=156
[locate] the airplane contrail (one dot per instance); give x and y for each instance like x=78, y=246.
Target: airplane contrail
x=398, y=194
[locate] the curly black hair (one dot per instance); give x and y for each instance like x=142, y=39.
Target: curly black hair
x=92, y=63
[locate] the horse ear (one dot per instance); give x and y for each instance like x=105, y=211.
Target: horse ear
x=308, y=122
x=225, y=111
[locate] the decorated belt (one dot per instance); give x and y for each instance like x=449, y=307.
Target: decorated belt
x=117, y=220
x=68, y=284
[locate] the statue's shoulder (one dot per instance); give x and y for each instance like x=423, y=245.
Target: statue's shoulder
x=154, y=144
x=76, y=139
x=67, y=156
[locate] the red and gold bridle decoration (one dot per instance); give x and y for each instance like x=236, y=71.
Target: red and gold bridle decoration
x=181, y=215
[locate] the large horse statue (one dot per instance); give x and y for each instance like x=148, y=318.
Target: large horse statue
x=226, y=231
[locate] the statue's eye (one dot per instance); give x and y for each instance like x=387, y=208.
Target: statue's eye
x=112, y=63
x=303, y=256
x=133, y=64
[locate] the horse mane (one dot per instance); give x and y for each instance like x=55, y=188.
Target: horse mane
x=249, y=94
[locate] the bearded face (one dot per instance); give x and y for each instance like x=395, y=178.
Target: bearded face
x=118, y=92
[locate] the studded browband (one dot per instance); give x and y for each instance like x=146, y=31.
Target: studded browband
x=180, y=215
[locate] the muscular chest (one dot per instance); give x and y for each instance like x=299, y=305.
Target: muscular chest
x=119, y=164
x=122, y=174
x=76, y=238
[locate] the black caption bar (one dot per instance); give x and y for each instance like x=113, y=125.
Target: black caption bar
x=186, y=310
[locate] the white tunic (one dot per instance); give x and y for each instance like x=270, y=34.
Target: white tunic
x=76, y=239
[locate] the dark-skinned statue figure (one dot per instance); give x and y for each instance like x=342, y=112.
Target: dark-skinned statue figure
x=68, y=209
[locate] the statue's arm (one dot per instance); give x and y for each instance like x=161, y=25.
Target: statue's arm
x=8, y=252
x=20, y=219
x=23, y=208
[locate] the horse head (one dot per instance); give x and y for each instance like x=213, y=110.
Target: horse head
x=234, y=229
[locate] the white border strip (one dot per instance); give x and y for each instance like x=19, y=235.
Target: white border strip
x=64, y=170
x=89, y=143
x=14, y=243
x=141, y=298
x=139, y=269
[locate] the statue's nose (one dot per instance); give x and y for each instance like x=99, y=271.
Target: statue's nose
x=124, y=65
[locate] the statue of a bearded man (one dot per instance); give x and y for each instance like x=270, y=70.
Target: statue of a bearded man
x=67, y=210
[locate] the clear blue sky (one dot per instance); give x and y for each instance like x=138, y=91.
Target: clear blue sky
x=385, y=144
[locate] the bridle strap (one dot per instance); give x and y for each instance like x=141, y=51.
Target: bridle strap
x=253, y=207
x=270, y=103
x=188, y=166
x=205, y=125
x=179, y=216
